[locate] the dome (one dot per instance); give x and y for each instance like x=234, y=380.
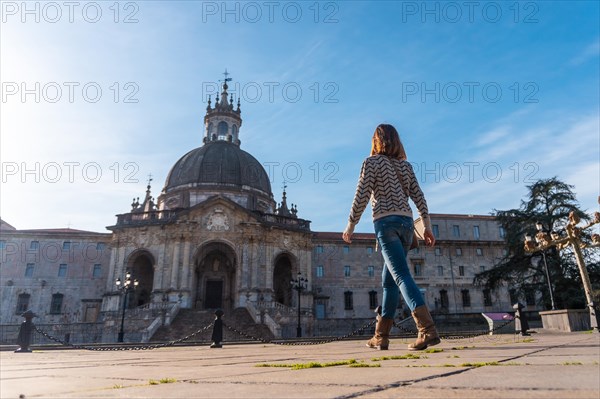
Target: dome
x=219, y=164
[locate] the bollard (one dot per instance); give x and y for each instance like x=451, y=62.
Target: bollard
x=521, y=324
x=217, y=335
x=24, y=338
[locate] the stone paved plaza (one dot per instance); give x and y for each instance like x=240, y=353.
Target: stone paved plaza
x=545, y=365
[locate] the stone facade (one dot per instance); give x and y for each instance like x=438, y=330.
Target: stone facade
x=60, y=274
x=216, y=238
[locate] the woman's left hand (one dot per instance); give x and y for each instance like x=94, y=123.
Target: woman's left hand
x=429, y=238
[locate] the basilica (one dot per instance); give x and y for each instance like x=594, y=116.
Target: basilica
x=216, y=238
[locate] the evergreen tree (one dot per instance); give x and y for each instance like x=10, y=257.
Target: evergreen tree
x=549, y=203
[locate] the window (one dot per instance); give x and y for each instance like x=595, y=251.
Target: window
x=440, y=270
x=479, y=251
x=476, y=232
x=436, y=230
x=320, y=271
x=373, y=299
x=369, y=250
x=56, y=304
x=466, y=298
x=418, y=268
x=416, y=250
x=444, y=299
x=66, y=245
x=29, y=270
x=348, y=301
x=456, y=230
x=222, y=129
x=371, y=271
x=505, y=252
x=501, y=232
x=458, y=251
x=487, y=298
x=97, y=270
x=481, y=269
x=346, y=271
x=461, y=270
x=438, y=251
x=2, y=244
x=319, y=249
x=34, y=245
x=346, y=249
x=22, y=303
x=62, y=270
x=100, y=246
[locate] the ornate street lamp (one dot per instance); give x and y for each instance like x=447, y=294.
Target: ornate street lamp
x=125, y=287
x=543, y=241
x=299, y=284
x=540, y=228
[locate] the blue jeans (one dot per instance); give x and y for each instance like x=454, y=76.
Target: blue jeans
x=394, y=234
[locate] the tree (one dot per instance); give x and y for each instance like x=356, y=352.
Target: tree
x=549, y=202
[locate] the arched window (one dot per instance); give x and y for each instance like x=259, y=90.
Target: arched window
x=211, y=127
x=222, y=129
x=234, y=131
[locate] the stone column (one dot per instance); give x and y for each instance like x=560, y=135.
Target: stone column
x=112, y=269
x=175, y=265
x=186, y=280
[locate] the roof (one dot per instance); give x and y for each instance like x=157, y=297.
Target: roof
x=218, y=163
x=5, y=226
x=328, y=235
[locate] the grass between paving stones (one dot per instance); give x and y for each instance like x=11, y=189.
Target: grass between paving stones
x=399, y=357
x=162, y=381
x=572, y=364
x=312, y=365
x=460, y=348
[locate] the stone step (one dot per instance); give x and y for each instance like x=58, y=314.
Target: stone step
x=189, y=321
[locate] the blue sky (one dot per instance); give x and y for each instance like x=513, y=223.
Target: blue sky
x=487, y=99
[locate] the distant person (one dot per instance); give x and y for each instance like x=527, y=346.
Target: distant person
x=388, y=180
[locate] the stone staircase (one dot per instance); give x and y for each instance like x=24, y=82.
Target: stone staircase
x=189, y=321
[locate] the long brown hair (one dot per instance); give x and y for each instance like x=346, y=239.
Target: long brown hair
x=386, y=141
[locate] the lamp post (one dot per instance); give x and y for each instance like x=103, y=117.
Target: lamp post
x=299, y=284
x=125, y=287
x=544, y=241
x=540, y=228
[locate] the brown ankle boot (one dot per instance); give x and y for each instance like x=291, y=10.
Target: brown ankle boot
x=427, y=333
x=382, y=333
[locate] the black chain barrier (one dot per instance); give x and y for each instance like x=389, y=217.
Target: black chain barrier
x=124, y=348
x=448, y=336
x=311, y=342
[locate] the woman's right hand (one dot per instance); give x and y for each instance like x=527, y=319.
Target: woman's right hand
x=347, y=234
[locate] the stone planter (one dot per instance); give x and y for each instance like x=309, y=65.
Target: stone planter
x=566, y=319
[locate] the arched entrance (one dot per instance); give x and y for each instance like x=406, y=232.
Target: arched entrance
x=141, y=266
x=282, y=277
x=215, y=277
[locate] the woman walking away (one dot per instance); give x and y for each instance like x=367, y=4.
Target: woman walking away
x=388, y=180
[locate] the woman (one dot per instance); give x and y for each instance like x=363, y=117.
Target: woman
x=388, y=180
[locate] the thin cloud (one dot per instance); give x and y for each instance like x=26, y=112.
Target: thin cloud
x=588, y=53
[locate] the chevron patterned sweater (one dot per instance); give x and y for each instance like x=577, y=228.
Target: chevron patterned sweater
x=378, y=181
